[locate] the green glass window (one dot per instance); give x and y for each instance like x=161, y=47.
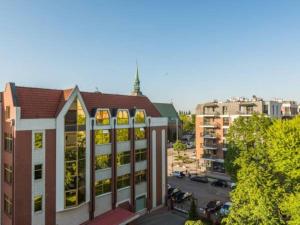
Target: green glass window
x=122, y=117
x=38, y=203
x=140, y=116
x=8, y=174
x=123, y=158
x=38, y=171
x=140, y=155
x=140, y=133
x=102, y=117
x=123, y=181
x=102, y=137
x=122, y=135
x=140, y=176
x=75, y=152
x=8, y=206
x=8, y=142
x=103, y=161
x=102, y=186
x=38, y=141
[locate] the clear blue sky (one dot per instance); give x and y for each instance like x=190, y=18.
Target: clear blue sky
x=188, y=51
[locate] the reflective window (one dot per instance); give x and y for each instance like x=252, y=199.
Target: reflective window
x=102, y=117
x=140, y=176
x=8, y=142
x=123, y=158
x=123, y=181
x=38, y=203
x=122, y=135
x=38, y=141
x=140, y=155
x=8, y=174
x=122, y=117
x=75, y=151
x=38, y=171
x=140, y=133
x=102, y=137
x=139, y=116
x=8, y=207
x=103, y=161
x=102, y=186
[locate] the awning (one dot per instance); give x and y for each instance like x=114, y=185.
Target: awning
x=119, y=216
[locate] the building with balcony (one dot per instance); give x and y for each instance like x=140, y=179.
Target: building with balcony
x=213, y=120
x=70, y=157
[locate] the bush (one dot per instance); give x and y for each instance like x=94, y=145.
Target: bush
x=191, y=222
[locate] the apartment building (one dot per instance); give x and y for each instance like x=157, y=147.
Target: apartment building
x=212, y=122
x=70, y=157
x=289, y=109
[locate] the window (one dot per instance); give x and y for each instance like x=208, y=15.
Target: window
x=122, y=117
x=140, y=116
x=8, y=142
x=140, y=203
x=75, y=152
x=38, y=203
x=8, y=207
x=140, y=155
x=140, y=133
x=102, y=186
x=103, y=161
x=38, y=140
x=122, y=135
x=123, y=181
x=225, y=111
x=38, y=171
x=102, y=137
x=8, y=174
x=7, y=112
x=225, y=121
x=123, y=158
x=225, y=132
x=140, y=176
x=102, y=117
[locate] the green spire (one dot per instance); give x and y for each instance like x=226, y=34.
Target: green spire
x=136, y=85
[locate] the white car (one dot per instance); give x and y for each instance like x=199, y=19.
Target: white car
x=178, y=174
x=225, y=208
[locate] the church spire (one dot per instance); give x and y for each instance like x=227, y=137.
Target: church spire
x=136, y=85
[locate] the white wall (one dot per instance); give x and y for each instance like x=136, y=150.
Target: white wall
x=163, y=167
x=102, y=204
x=153, y=168
x=73, y=216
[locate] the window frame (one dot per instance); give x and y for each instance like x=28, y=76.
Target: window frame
x=136, y=118
x=101, y=123
x=38, y=170
x=109, y=164
x=40, y=209
x=123, y=180
x=139, y=155
x=7, y=206
x=118, y=135
x=34, y=140
x=8, y=174
x=121, y=156
x=123, y=120
x=100, y=184
x=102, y=137
x=136, y=133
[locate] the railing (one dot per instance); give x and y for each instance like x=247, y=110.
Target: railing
x=209, y=156
x=210, y=146
x=214, y=113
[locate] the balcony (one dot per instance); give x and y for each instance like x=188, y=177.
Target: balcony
x=209, y=156
x=211, y=113
x=210, y=146
x=210, y=124
x=210, y=135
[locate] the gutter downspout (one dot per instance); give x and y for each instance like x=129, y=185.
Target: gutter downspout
x=92, y=173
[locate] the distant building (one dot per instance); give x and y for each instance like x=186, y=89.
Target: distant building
x=212, y=122
x=174, y=123
x=289, y=109
x=70, y=157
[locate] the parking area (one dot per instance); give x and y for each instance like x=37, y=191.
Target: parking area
x=202, y=192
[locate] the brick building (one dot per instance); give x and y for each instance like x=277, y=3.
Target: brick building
x=70, y=157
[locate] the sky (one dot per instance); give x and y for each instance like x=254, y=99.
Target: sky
x=188, y=52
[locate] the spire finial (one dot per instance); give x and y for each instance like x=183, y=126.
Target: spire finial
x=136, y=85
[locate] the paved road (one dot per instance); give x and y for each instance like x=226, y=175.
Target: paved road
x=201, y=191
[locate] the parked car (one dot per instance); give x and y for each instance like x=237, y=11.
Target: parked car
x=190, y=145
x=225, y=208
x=213, y=206
x=232, y=185
x=172, y=193
x=178, y=174
x=219, y=183
x=202, y=179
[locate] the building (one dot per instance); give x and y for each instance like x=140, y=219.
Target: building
x=70, y=157
x=212, y=122
x=174, y=123
x=289, y=109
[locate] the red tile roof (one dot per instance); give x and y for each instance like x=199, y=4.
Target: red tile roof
x=113, y=217
x=47, y=103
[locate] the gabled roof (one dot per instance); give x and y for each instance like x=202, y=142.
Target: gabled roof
x=47, y=103
x=167, y=110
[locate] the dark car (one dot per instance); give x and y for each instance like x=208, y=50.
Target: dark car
x=219, y=183
x=179, y=197
x=202, y=179
x=213, y=206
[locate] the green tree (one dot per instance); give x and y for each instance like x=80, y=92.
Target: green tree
x=191, y=222
x=188, y=123
x=193, y=215
x=179, y=147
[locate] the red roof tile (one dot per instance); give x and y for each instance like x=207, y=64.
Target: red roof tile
x=113, y=217
x=47, y=103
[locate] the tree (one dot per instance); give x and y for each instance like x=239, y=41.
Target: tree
x=191, y=222
x=179, y=147
x=193, y=215
x=188, y=123
x=265, y=157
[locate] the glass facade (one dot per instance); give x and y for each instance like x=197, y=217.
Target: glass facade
x=123, y=181
x=122, y=117
x=38, y=141
x=140, y=116
x=140, y=176
x=75, y=152
x=102, y=117
x=140, y=155
x=102, y=186
x=140, y=133
x=103, y=161
x=102, y=137
x=123, y=158
x=122, y=135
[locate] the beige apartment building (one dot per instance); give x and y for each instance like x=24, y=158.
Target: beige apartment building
x=213, y=120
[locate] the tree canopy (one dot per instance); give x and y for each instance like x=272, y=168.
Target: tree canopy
x=263, y=157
